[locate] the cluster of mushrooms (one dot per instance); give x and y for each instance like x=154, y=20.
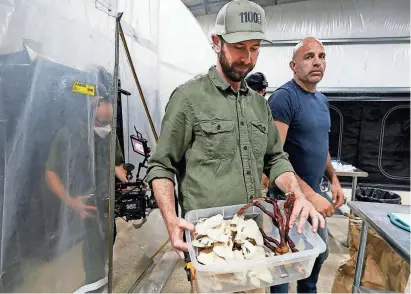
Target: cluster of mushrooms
x=221, y=241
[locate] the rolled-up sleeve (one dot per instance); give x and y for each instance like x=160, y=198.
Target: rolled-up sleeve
x=276, y=160
x=174, y=139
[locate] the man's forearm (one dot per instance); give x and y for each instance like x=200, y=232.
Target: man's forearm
x=329, y=171
x=164, y=193
x=306, y=189
x=56, y=186
x=287, y=182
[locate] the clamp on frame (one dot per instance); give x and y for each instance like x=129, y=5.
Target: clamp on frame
x=189, y=268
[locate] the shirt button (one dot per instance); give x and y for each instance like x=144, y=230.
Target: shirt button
x=242, y=123
x=248, y=173
x=245, y=147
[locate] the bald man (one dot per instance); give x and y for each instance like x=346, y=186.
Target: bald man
x=302, y=117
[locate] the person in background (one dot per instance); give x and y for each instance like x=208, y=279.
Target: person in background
x=218, y=136
x=258, y=83
x=79, y=176
x=302, y=117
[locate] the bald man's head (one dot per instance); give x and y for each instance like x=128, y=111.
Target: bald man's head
x=304, y=43
x=308, y=62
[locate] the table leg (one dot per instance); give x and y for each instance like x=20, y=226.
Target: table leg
x=353, y=189
x=360, y=257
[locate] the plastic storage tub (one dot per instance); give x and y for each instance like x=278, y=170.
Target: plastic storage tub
x=283, y=268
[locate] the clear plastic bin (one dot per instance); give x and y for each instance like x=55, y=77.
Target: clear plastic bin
x=241, y=276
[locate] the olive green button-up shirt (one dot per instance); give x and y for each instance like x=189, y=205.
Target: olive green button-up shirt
x=217, y=142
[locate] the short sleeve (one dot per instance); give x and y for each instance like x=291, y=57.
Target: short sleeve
x=54, y=160
x=282, y=106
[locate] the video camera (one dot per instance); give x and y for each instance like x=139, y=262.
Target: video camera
x=131, y=199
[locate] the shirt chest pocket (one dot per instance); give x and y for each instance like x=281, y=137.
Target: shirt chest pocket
x=259, y=138
x=219, y=140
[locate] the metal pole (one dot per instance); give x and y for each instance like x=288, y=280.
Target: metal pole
x=143, y=100
x=360, y=257
x=112, y=159
x=354, y=188
x=344, y=41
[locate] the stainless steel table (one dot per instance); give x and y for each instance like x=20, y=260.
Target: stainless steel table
x=355, y=174
x=374, y=215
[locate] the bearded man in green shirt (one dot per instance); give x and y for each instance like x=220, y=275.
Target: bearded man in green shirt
x=218, y=136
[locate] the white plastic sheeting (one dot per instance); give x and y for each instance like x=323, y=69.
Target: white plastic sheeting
x=382, y=65
x=168, y=48
x=363, y=65
x=45, y=46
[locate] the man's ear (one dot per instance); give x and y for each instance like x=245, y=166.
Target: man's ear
x=217, y=45
x=292, y=65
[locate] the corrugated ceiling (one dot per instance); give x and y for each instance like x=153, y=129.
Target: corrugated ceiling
x=203, y=7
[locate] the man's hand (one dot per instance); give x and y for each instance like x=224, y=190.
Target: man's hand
x=121, y=173
x=303, y=208
x=322, y=205
x=176, y=230
x=337, y=194
x=287, y=182
x=77, y=204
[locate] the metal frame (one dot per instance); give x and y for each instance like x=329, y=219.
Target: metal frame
x=370, y=92
x=206, y=5
x=366, y=224
x=360, y=257
x=112, y=158
x=343, y=41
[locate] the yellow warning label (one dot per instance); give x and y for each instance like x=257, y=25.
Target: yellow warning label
x=84, y=89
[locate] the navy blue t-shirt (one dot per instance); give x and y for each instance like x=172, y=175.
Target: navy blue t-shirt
x=308, y=117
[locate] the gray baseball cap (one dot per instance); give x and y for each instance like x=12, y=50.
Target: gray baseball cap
x=241, y=20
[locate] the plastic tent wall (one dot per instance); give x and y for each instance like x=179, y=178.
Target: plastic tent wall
x=168, y=48
x=359, y=65
x=45, y=46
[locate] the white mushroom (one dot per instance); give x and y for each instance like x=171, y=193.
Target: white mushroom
x=252, y=252
x=218, y=234
x=249, y=229
x=203, y=242
x=236, y=221
x=214, y=221
x=210, y=258
x=238, y=255
x=224, y=250
x=263, y=274
x=255, y=281
x=248, y=249
x=241, y=277
x=203, y=225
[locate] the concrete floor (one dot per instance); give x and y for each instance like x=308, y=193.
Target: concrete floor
x=338, y=228
x=131, y=257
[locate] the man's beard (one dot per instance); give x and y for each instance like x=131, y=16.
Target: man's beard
x=230, y=72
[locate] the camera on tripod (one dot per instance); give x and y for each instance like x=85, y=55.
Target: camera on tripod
x=132, y=201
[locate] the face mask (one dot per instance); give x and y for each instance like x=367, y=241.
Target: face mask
x=103, y=131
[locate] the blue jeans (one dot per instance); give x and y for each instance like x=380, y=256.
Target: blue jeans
x=308, y=285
